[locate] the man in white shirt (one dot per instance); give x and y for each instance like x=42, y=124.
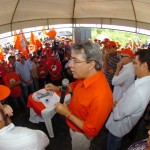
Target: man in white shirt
x=124, y=75
x=20, y=138
x=132, y=105
x=17, y=138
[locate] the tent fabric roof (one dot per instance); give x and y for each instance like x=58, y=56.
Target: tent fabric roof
x=19, y=14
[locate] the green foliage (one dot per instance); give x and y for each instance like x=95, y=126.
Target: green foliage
x=119, y=36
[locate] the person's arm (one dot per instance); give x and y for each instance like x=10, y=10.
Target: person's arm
x=119, y=67
x=42, y=139
x=95, y=119
x=105, y=64
x=127, y=106
x=51, y=87
x=120, y=79
x=63, y=110
x=31, y=73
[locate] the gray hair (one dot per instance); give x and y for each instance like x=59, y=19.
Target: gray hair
x=90, y=51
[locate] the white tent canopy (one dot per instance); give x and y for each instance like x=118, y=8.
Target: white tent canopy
x=19, y=14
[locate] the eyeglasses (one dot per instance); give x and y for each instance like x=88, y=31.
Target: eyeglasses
x=76, y=61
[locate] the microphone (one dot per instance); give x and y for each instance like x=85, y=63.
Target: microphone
x=65, y=83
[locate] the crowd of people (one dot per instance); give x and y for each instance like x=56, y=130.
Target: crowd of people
x=110, y=86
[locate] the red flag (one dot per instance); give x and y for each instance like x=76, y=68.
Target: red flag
x=21, y=44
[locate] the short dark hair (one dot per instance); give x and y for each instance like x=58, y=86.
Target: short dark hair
x=144, y=56
x=10, y=57
x=33, y=57
x=91, y=50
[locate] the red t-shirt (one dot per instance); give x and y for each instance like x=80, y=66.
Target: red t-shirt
x=2, y=74
x=55, y=67
x=41, y=71
x=10, y=78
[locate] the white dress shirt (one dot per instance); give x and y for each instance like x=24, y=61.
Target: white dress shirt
x=123, y=81
x=22, y=138
x=130, y=108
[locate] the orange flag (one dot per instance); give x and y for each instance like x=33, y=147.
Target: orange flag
x=21, y=44
x=1, y=53
x=52, y=33
x=38, y=43
x=34, y=41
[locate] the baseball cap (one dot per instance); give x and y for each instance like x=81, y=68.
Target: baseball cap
x=106, y=40
x=4, y=92
x=128, y=52
x=111, y=44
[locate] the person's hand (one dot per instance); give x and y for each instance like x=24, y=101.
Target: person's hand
x=111, y=71
x=29, y=81
x=51, y=87
x=120, y=65
x=62, y=109
x=114, y=104
x=7, y=110
x=121, y=84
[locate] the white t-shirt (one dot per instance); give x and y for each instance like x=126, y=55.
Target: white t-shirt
x=22, y=138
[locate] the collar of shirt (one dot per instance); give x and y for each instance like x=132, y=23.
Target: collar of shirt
x=6, y=129
x=87, y=82
x=141, y=80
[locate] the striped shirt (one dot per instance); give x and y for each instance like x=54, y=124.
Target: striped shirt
x=112, y=61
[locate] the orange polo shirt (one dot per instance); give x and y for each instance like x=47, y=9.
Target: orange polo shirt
x=91, y=102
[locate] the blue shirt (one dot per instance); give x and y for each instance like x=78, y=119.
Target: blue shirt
x=24, y=71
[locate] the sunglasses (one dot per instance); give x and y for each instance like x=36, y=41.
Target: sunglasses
x=123, y=56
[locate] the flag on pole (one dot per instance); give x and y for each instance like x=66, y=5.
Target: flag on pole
x=34, y=41
x=38, y=43
x=21, y=44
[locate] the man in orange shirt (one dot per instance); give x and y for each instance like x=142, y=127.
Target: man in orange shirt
x=91, y=101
